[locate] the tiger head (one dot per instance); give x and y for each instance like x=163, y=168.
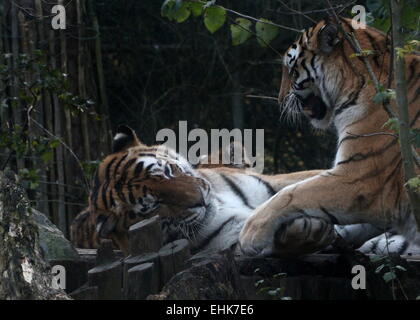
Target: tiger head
x=137, y=181
x=319, y=77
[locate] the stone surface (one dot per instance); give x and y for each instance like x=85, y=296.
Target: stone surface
x=54, y=244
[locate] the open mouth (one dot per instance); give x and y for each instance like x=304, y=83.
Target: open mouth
x=314, y=107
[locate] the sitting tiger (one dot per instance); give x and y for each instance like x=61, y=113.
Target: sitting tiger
x=208, y=204
x=323, y=81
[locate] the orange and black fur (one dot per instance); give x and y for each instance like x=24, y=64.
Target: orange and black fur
x=324, y=81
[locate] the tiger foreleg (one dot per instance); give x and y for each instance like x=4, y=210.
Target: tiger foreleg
x=299, y=219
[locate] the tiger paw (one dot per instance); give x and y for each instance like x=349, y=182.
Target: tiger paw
x=303, y=235
x=291, y=235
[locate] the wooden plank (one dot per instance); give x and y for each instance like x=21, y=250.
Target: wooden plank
x=131, y=262
x=145, y=236
x=108, y=279
x=105, y=253
x=85, y=293
x=173, y=259
x=142, y=281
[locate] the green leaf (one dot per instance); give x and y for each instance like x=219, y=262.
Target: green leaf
x=265, y=32
x=280, y=275
x=47, y=156
x=392, y=124
x=413, y=183
x=376, y=258
x=196, y=8
x=401, y=268
x=167, y=9
x=259, y=282
x=363, y=53
x=241, y=31
x=175, y=10
x=274, y=292
x=182, y=14
x=54, y=143
x=388, y=276
x=378, y=269
x=214, y=18
x=384, y=96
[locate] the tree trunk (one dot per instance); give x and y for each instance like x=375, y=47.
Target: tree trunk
x=23, y=272
x=40, y=115
x=402, y=105
x=58, y=131
x=81, y=81
x=17, y=107
x=103, y=109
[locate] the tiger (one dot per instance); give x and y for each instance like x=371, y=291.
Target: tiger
x=83, y=231
x=324, y=82
x=207, y=205
x=231, y=192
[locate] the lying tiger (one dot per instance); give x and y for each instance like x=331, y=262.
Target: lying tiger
x=322, y=81
x=209, y=205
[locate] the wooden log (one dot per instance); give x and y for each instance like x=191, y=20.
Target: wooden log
x=85, y=293
x=215, y=277
x=173, y=259
x=131, y=262
x=145, y=236
x=108, y=279
x=105, y=253
x=143, y=280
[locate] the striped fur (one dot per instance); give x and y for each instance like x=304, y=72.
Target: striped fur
x=325, y=85
x=82, y=231
x=372, y=240
x=233, y=194
x=208, y=205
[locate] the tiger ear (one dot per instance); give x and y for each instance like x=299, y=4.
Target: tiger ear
x=328, y=37
x=124, y=138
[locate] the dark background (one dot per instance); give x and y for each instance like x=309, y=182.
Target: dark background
x=121, y=62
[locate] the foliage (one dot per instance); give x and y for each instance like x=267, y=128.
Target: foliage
x=268, y=287
x=27, y=140
x=379, y=16
x=387, y=267
x=266, y=32
x=215, y=18
x=411, y=47
x=240, y=31
x=414, y=183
